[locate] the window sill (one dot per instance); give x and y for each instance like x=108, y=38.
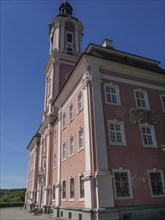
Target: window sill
x=81, y=149
x=71, y=155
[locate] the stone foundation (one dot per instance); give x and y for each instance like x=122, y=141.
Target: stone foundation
x=147, y=212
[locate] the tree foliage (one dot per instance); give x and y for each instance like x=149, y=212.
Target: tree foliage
x=12, y=195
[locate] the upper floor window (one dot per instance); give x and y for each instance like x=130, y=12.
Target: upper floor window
x=116, y=132
x=79, y=101
x=71, y=188
x=64, y=151
x=141, y=99
x=156, y=181
x=71, y=145
x=112, y=94
x=122, y=183
x=162, y=97
x=64, y=120
x=71, y=112
x=69, y=37
x=81, y=138
x=148, y=135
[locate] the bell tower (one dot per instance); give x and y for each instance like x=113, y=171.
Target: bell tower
x=65, y=34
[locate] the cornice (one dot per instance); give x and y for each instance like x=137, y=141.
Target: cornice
x=128, y=70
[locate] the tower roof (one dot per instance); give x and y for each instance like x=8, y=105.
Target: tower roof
x=65, y=9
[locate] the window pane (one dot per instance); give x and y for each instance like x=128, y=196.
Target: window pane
x=156, y=183
x=72, y=188
x=122, y=184
x=81, y=186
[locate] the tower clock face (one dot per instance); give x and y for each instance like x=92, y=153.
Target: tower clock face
x=70, y=26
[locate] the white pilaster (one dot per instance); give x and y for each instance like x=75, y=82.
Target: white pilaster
x=57, y=75
x=57, y=37
x=48, y=146
x=88, y=167
x=45, y=100
x=104, y=189
x=58, y=189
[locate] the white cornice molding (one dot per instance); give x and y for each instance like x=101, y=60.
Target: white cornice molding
x=123, y=54
x=133, y=82
x=128, y=70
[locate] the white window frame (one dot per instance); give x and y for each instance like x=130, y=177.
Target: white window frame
x=64, y=120
x=116, y=94
x=63, y=199
x=122, y=131
x=71, y=111
x=63, y=151
x=162, y=101
x=71, y=153
x=121, y=170
x=79, y=107
x=82, y=147
x=154, y=170
x=145, y=99
x=81, y=198
x=71, y=199
x=152, y=134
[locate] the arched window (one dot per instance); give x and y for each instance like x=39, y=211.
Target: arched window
x=69, y=37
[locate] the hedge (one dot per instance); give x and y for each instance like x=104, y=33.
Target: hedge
x=11, y=204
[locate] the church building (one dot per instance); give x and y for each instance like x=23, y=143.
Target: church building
x=97, y=153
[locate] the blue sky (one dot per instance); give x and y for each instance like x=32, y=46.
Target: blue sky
x=135, y=26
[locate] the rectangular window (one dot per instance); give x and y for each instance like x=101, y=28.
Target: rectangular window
x=71, y=188
x=141, y=99
x=79, y=98
x=54, y=192
x=71, y=112
x=64, y=120
x=112, y=94
x=81, y=185
x=64, y=189
x=81, y=138
x=116, y=132
x=71, y=145
x=64, y=151
x=156, y=183
x=148, y=135
x=162, y=97
x=122, y=183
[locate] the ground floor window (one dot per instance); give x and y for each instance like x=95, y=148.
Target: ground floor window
x=63, y=189
x=156, y=182
x=122, y=183
x=71, y=188
x=81, y=188
x=54, y=192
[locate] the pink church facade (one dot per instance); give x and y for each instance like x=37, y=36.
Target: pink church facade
x=97, y=153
